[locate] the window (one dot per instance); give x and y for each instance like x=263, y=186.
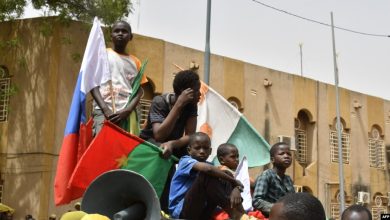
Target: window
x=1, y=190
x=144, y=106
x=304, y=128
x=5, y=91
x=301, y=145
x=345, y=144
x=376, y=149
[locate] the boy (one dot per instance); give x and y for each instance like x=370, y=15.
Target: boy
x=273, y=183
x=298, y=206
x=171, y=119
x=173, y=114
x=228, y=157
x=356, y=212
x=198, y=187
x=111, y=97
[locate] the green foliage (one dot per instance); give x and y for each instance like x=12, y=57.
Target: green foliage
x=107, y=10
x=10, y=9
x=9, y=44
x=85, y=10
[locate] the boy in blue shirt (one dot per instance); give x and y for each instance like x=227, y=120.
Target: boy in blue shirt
x=198, y=187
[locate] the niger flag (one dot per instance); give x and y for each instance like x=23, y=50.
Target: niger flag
x=114, y=148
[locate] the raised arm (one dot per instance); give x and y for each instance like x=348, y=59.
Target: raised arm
x=162, y=130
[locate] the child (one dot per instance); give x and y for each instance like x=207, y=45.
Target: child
x=227, y=155
x=273, y=183
x=171, y=119
x=111, y=97
x=198, y=187
x=298, y=206
x=356, y=212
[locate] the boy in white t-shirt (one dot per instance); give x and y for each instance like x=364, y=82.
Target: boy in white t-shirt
x=111, y=97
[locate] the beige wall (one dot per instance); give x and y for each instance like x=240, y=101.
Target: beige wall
x=45, y=69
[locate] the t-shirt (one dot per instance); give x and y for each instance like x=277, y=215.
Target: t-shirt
x=158, y=112
x=181, y=182
x=123, y=70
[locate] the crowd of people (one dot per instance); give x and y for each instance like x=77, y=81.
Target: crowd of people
x=196, y=189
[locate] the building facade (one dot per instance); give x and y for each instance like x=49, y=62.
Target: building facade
x=39, y=63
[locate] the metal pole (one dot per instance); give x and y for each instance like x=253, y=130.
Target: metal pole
x=207, y=49
x=300, y=49
x=338, y=127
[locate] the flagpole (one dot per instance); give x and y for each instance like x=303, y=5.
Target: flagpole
x=207, y=49
x=338, y=127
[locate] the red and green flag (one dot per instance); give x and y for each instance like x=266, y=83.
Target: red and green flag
x=113, y=149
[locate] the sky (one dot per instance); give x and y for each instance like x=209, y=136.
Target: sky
x=248, y=31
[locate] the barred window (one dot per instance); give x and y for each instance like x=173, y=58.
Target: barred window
x=1, y=190
x=5, y=91
x=144, y=106
x=377, y=211
x=376, y=149
x=301, y=145
x=345, y=144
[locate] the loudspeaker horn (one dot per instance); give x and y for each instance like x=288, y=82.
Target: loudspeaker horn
x=122, y=194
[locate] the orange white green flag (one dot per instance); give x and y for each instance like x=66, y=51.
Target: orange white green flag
x=225, y=124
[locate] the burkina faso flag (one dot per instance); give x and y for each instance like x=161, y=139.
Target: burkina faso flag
x=114, y=148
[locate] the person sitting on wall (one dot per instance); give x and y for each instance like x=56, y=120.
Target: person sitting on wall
x=273, y=183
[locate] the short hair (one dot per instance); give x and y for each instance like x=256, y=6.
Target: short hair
x=184, y=79
x=123, y=22
x=356, y=208
x=302, y=206
x=198, y=134
x=223, y=149
x=275, y=147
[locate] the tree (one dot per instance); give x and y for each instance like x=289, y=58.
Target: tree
x=85, y=10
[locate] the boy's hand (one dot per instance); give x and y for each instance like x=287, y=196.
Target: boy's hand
x=185, y=97
x=167, y=149
x=117, y=117
x=238, y=183
x=235, y=198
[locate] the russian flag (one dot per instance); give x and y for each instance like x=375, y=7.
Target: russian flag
x=94, y=71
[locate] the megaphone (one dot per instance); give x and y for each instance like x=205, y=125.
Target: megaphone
x=122, y=195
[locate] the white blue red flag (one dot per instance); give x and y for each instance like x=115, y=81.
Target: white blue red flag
x=94, y=71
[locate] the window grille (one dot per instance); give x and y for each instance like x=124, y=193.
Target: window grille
x=1, y=190
x=144, y=106
x=335, y=210
x=376, y=149
x=377, y=211
x=5, y=85
x=301, y=145
x=334, y=153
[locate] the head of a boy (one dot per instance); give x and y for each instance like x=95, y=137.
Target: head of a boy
x=187, y=79
x=297, y=206
x=121, y=33
x=199, y=146
x=281, y=155
x=356, y=212
x=228, y=155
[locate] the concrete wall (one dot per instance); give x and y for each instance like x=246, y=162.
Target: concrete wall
x=45, y=64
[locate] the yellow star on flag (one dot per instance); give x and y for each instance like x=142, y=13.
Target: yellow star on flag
x=122, y=161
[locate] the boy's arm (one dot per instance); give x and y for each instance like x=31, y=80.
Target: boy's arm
x=211, y=170
x=261, y=190
x=123, y=114
x=162, y=130
x=97, y=96
x=183, y=141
